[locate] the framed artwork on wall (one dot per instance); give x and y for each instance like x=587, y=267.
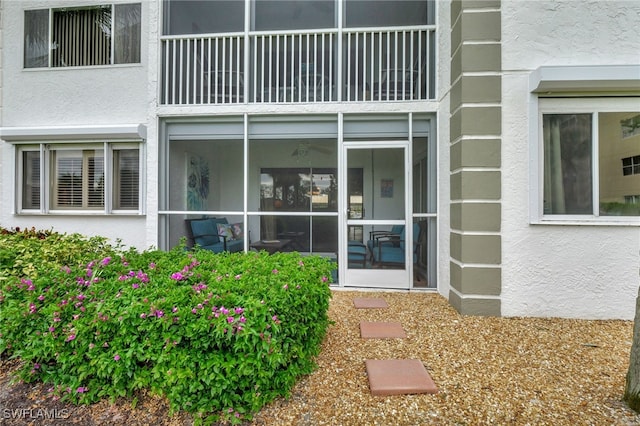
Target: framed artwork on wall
x=197, y=182
x=386, y=188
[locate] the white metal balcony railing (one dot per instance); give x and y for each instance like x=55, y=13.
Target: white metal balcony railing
x=284, y=67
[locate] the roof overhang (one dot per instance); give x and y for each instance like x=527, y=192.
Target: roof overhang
x=55, y=133
x=620, y=80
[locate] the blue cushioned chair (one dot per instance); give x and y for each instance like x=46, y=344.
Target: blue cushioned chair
x=395, y=232
x=204, y=233
x=357, y=254
x=389, y=251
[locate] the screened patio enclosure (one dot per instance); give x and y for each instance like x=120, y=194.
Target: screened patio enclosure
x=280, y=51
x=308, y=182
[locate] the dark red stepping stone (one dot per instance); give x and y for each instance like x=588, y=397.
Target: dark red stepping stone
x=398, y=377
x=369, y=303
x=382, y=330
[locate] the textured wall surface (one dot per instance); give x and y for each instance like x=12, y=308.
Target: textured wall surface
x=580, y=271
x=66, y=97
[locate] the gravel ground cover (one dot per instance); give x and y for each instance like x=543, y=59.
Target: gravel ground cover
x=489, y=371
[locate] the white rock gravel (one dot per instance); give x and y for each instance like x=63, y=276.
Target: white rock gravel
x=489, y=371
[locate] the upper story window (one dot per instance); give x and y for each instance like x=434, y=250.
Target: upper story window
x=85, y=36
x=583, y=145
x=202, y=17
x=388, y=13
x=631, y=165
x=183, y=17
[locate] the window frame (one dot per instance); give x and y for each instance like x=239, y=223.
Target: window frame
x=573, y=105
x=112, y=55
x=48, y=182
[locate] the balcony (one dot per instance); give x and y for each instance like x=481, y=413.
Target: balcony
x=393, y=64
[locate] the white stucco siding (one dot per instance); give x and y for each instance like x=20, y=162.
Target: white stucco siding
x=574, y=271
x=88, y=96
x=65, y=96
x=536, y=33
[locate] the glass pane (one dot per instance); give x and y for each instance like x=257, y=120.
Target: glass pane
x=324, y=190
x=293, y=14
x=126, y=186
x=285, y=189
x=281, y=173
x=567, y=164
x=31, y=180
x=325, y=234
x=383, y=182
x=202, y=17
x=126, y=29
x=95, y=178
x=206, y=175
x=424, y=178
x=619, y=164
x=36, y=38
x=81, y=37
x=383, y=13
x=78, y=178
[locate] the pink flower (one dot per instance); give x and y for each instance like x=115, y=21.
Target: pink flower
x=243, y=319
x=143, y=315
x=135, y=285
x=116, y=358
x=71, y=337
x=41, y=297
x=238, y=276
x=81, y=389
x=325, y=279
x=229, y=320
x=106, y=261
x=152, y=265
x=239, y=310
x=52, y=329
x=275, y=271
x=175, y=309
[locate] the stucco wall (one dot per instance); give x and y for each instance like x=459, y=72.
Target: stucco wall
x=65, y=97
x=553, y=270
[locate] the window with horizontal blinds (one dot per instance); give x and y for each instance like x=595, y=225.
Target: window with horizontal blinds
x=126, y=174
x=68, y=178
x=78, y=179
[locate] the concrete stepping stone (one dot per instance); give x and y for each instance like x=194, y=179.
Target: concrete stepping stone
x=382, y=330
x=399, y=377
x=369, y=303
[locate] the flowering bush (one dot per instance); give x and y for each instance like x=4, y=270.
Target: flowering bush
x=219, y=335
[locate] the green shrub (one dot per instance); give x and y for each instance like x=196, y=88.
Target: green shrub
x=219, y=335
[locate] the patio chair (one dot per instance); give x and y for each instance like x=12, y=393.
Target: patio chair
x=214, y=234
x=390, y=251
x=374, y=236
